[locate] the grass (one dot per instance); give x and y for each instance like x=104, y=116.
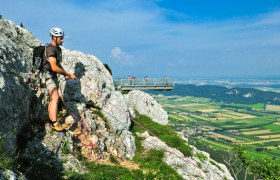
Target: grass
x=6, y=161
x=164, y=133
x=258, y=106
x=150, y=162
x=102, y=172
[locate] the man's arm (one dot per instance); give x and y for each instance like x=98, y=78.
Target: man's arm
x=57, y=69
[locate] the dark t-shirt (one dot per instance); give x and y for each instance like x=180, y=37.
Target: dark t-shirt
x=54, y=52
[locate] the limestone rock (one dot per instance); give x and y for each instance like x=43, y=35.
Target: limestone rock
x=15, y=53
x=95, y=82
x=187, y=167
x=10, y=175
x=145, y=104
x=116, y=111
x=24, y=116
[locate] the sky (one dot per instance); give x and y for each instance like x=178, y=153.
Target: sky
x=181, y=39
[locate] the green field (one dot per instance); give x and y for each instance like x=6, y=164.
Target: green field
x=221, y=125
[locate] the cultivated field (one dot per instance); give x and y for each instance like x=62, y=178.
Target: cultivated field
x=220, y=125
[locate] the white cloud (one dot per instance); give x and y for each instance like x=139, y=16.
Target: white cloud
x=117, y=53
x=122, y=57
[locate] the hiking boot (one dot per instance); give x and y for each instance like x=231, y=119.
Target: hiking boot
x=57, y=127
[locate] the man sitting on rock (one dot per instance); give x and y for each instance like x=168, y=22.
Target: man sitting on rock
x=52, y=60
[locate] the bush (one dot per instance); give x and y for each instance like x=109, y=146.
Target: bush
x=108, y=68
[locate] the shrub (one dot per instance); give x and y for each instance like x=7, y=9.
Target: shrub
x=108, y=68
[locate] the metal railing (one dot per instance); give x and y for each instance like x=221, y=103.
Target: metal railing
x=143, y=84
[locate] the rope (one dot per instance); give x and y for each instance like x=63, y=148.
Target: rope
x=83, y=123
x=179, y=156
x=86, y=127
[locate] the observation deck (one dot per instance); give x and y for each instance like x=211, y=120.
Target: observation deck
x=159, y=84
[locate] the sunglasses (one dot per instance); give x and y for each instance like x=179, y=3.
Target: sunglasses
x=60, y=37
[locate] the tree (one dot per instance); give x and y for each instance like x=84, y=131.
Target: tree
x=237, y=161
x=108, y=68
x=21, y=25
x=240, y=160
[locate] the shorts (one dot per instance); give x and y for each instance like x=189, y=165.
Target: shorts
x=51, y=83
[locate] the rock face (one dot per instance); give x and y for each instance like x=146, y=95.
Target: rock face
x=100, y=117
x=15, y=53
x=147, y=105
x=23, y=113
x=188, y=168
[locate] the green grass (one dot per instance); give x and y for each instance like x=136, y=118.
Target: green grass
x=104, y=172
x=164, y=133
x=272, y=127
x=215, y=145
x=245, y=123
x=152, y=162
x=258, y=106
x=6, y=161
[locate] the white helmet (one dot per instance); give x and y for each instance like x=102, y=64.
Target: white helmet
x=56, y=32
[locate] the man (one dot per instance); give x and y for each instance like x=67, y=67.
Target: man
x=52, y=60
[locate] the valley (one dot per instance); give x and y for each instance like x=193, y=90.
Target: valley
x=220, y=125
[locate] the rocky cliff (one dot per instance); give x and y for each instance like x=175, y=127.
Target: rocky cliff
x=101, y=117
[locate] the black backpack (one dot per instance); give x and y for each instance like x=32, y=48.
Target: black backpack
x=36, y=79
x=38, y=57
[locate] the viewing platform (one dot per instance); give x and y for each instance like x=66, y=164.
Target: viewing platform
x=159, y=84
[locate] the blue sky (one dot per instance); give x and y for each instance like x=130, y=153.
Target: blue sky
x=175, y=38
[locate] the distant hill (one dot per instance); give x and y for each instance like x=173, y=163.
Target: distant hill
x=220, y=93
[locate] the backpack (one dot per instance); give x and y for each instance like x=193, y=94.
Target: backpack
x=36, y=79
x=38, y=57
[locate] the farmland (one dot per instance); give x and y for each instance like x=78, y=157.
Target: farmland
x=220, y=125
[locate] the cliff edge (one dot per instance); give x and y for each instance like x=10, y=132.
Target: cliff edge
x=101, y=117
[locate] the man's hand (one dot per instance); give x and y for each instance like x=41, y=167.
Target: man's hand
x=72, y=76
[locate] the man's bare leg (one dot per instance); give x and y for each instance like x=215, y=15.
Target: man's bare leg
x=52, y=109
x=53, y=104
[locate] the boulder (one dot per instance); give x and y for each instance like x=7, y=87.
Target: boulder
x=187, y=167
x=145, y=104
